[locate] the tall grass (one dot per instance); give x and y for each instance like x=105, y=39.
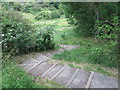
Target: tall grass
x=94, y=54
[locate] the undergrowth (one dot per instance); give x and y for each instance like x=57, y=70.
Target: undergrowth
x=102, y=54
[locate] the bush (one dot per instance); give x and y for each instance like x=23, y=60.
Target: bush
x=15, y=32
x=48, y=15
x=84, y=15
x=108, y=30
x=44, y=38
x=55, y=14
x=43, y=15
x=18, y=36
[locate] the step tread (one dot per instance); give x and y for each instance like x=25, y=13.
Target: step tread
x=65, y=75
x=40, y=69
x=102, y=81
x=80, y=80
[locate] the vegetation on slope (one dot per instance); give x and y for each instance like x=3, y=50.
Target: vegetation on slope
x=92, y=26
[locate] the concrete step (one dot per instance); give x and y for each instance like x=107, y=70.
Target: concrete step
x=54, y=52
x=30, y=61
x=42, y=57
x=80, y=79
x=69, y=47
x=26, y=66
x=40, y=69
x=56, y=69
x=44, y=74
x=49, y=55
x=72, y=78
x=102, y=81
x=65, y=75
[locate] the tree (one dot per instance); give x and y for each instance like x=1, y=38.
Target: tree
x=85, y=15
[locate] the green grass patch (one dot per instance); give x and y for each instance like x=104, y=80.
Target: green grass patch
x=60, y=22
x=49, y=84
x=14, y=77
x=90, y=54
x=103, y=70
x=71, y=65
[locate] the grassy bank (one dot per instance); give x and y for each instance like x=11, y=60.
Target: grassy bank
x=93, y=55
x=13, y=77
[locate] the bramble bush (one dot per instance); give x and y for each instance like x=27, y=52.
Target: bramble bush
x=15, y=32
x=18, y=36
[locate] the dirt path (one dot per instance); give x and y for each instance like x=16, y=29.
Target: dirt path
x=68, y=76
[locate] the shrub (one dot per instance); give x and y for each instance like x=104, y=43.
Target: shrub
x=102, y=56
x=108, y=30
x=43, y=15
x=15, y=32
x=18, y=36
x=44, y=38
x=55, y=14
x=48, y=15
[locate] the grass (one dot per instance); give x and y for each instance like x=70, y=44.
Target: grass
x=14, y=77
x=49, y=84
x=60, y=22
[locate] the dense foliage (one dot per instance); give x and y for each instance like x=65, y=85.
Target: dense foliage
x=44, y=38
x=30, y=7
x=48, y=15
x=85, y=16
x=18, y=35
x=15, y=32
x=99, y=20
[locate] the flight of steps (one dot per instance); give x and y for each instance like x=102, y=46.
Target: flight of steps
x=68, y=76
